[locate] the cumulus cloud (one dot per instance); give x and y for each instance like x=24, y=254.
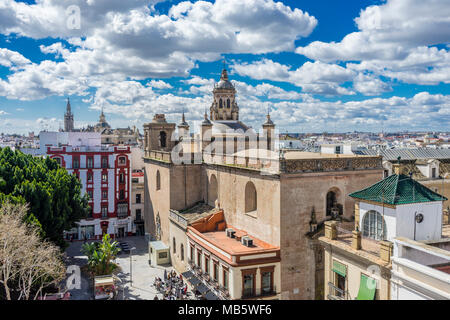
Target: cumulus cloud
x=12, y=59
x=313, y=77
x=129, y=40
x=396, y=39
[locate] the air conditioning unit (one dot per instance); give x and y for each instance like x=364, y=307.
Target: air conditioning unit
x=230, y=232
x=247, y=241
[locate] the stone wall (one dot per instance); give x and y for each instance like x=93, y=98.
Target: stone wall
x=300, y=193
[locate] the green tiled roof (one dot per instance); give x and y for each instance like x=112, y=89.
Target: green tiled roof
x=397, y=189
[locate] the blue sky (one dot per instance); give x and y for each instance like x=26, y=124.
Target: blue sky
x=318, y=65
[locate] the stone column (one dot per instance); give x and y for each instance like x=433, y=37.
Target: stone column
x=356, y=239
x=331, y=230
x=446, y=217
x=386, y=250
x=356, y=215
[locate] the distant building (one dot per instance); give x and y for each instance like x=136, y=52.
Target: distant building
x=110, y=136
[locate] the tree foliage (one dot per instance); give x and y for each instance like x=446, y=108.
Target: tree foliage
x=53, y=195
x=101, y=255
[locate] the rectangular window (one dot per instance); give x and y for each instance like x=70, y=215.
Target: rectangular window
x=249, y=288
x=121, y=178
x=90, y=162
x=192, y=254
x=104, y=194
x=104, y=212
x=104, y=162
x=433, y=172
x=206, y=264
x=138, y=214
x=199, y=258
x=76, y=163
x=225, y=279
x=90, y=194
x=121, y=194
x=122, y=210
x=135, y=180
x=266, y=282
x=215, y=271
x=162, y=255
x=89, y=176
x=138, y=198
x=104, y=177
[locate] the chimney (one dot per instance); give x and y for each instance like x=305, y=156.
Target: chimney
x=330, y=230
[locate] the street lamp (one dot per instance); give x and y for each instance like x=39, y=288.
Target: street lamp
x=131, y=267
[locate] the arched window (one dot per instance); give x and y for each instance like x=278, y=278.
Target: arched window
x=228, y=103
x=251, y=199
x=220, y=103
x=158, y=180
x=212, y=190
x=122, y=160
x=174, y=245
x=162, y=139
x=332, y=202
x=374, y=226
x=182, y=252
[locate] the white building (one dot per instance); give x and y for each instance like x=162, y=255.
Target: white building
x=420, y=271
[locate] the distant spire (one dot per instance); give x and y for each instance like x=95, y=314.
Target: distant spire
x=183, y=121
x=268, y=121
x=68, y=108
x=206, y=120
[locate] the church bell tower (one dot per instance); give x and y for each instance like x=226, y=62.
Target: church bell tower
x=224, y=106
x=68, y=118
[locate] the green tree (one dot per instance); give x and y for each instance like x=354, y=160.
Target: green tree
x=53, y=195
x=101, y=255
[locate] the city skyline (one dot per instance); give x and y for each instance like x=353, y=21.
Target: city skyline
x=372, y=66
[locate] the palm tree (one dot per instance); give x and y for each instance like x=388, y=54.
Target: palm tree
x=101, y=255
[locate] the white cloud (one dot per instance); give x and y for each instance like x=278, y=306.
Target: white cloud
x=12, y=59
x=159, y=84
x=395, y=39
x=313, y=77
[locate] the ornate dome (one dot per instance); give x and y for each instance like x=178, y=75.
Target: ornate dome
x=224, y=83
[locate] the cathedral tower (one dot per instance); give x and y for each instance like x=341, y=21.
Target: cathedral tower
x=68, y=118
x=224, y=106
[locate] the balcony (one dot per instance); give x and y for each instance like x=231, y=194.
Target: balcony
x=335, y=293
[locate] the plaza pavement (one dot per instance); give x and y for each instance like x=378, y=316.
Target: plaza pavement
x=143, y=274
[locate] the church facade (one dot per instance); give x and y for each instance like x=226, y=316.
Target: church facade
x=278, y=199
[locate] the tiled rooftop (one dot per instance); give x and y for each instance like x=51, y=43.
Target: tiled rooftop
x=397, y=189
x=235, y=247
